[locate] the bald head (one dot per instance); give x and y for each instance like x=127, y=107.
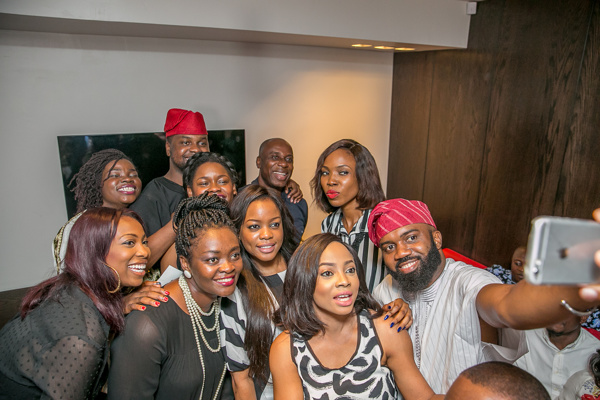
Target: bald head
x=275, y=162
x=496, y=381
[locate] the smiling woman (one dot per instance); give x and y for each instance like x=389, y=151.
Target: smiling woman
x=174, y=351
x=59, y=346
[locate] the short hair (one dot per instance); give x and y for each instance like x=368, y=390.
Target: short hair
x=297, y=312
x=200, y=158
x=195, y=215
x=87, y=183
x=370, y=191
x=88, y=247
x=258, y=304
x=506, y=380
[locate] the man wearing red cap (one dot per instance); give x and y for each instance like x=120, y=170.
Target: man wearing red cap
x=456, y=307
x=186, y=135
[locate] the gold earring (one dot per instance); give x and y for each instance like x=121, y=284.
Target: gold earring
x=118, y=277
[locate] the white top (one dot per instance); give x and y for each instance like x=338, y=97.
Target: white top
x=554, y=367
x=578, y=385
x=446, y=334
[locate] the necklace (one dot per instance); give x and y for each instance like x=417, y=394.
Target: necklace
x=199, y=326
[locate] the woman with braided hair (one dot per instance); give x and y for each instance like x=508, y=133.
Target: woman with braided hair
x=174, y=351
x=109, y=179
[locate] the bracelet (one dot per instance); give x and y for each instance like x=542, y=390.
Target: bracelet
x=576, y=312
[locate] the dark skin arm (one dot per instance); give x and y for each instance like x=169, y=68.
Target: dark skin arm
x=293, y=191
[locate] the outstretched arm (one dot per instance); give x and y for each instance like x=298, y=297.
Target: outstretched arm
x=286, y=381
x=526, y=306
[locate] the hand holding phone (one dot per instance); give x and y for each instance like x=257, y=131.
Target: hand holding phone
x=561, y=251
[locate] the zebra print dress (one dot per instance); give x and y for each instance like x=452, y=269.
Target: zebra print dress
x=363, y=377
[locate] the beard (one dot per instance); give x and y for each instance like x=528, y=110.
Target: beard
x=420, y=278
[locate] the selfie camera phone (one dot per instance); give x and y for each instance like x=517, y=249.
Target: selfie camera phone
x=561, y=251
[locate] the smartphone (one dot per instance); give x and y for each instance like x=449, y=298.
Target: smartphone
x=560, y=251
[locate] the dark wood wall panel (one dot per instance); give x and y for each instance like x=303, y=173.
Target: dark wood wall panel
x=411, y=97
x=531, y=104
x=462, y=83
x=512, y=125
x=579, y=191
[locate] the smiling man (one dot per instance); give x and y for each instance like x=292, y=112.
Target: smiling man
x=186, y=135
x=275, y=163
x=456, y=307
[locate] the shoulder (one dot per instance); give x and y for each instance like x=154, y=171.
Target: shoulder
x=329, y=222
x=281, y=344
x=386, y=291
x=468, y=275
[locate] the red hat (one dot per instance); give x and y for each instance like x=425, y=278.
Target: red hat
x=184, y=122
x=390, y=215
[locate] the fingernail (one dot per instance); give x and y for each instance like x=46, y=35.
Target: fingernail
x=157, y=283
x=389, y=307
x=143, y=308
x=167, y=293
x=399, y=329
x=386, y=317
x=156, y=303
x=392, y=325
x=165, y=298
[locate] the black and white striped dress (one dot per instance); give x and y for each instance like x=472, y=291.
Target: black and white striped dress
x=363, y=377
x=358, y=238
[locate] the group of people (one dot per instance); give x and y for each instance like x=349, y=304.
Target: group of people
x=369, y=308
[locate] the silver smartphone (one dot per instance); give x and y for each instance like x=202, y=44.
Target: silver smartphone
x=561, y=251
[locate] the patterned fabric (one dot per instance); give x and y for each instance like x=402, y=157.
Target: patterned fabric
x=446, y=319
x=580, y=386
x=363, y=377
x=58, y=351
x=233, y=332
x=369, y=254
x=505, y=275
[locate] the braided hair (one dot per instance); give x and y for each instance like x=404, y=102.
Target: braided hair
x=87, y=183
x=195, y=215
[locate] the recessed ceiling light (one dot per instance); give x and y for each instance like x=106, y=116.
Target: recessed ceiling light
x=404, y=48
x=361, y=45
x=384, y=48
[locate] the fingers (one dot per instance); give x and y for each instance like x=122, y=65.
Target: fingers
x=590, y=292
x=149, y=294
x=398, y=314
x=596, y=214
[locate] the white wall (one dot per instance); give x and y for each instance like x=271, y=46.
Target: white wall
x=58, y=84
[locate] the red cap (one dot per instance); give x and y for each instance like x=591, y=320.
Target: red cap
x=390, y=215
x=184, y=122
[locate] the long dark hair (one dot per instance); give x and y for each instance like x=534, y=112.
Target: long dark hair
x=297, y=312
x=88, y=247
x=258, y=303
x=370, y=191
x=87, y=183
x=200, y=158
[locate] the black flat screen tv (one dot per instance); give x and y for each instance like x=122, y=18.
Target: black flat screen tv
x=147, y=150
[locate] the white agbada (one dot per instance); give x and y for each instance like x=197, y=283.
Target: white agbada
x=446, y=333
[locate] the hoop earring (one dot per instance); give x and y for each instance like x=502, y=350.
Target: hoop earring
x=187, y=274
x=118, y=277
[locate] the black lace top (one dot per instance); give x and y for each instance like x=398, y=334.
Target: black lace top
x=58, y=351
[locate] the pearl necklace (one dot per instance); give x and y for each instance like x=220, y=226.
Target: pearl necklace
x=199, y=326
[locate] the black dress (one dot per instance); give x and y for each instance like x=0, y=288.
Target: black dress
x=156, y=357
x=58, y=351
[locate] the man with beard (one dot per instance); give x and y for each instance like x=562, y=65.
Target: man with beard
x=557, y=352
x=456, y=307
